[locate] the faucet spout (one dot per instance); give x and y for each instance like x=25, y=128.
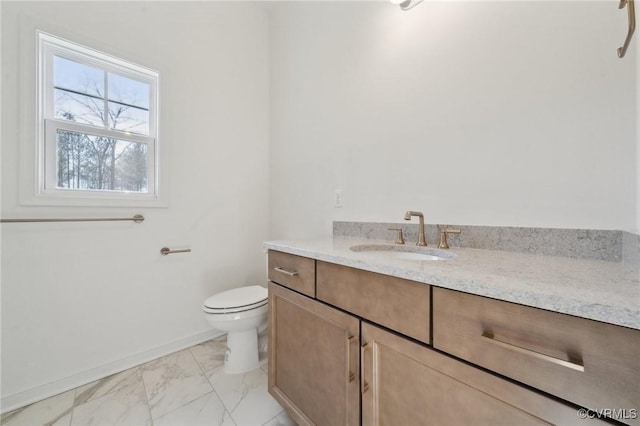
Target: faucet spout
x=421, y=239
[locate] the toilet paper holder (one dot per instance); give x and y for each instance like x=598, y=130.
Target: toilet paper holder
x=166, y=250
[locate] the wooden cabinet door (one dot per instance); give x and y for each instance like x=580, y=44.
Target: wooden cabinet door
x=404, y=383
x=313, y=359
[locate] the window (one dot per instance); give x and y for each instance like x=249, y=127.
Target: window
x=98, y=121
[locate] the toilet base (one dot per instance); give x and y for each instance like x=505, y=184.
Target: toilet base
x=242, y=351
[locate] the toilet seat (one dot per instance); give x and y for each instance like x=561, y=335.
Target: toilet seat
x=236, y=300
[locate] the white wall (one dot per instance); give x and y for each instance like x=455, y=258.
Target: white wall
x=79, y=299
x=479, y=113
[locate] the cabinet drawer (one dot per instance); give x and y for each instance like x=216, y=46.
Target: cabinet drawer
x=587, y=362
x=399, y=304
x=296, y=272
x=405, y=383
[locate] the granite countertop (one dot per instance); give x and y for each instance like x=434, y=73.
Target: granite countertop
x=593, y=289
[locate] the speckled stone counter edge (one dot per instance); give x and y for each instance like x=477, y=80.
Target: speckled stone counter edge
x=612, y=246
x=631, y=249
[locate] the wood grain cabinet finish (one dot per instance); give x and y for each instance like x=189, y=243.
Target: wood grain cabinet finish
x=295, y=272
x=404, y=383
x=330, y=367
x=401, y=305
x=589, y=363
x=313, y=360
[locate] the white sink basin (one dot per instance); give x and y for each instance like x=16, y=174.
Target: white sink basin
x=402, y=252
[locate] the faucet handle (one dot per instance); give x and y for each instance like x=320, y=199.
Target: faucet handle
x=399, y=238
x=443, y=236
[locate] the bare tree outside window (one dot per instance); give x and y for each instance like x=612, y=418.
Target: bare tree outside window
x=98, y=141
x=94, y=97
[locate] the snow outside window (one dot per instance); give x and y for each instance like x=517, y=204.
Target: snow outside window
x=98, y=124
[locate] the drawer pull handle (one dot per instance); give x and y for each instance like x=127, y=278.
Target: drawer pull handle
x=488, y=336
x=364, y=386
x=284, y=271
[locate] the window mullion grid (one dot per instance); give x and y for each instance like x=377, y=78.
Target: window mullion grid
x=97, y=131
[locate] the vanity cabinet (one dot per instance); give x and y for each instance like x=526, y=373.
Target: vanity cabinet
x=313, y=359
x=355, y=348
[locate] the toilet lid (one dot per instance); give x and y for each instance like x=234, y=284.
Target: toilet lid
x=237, y=299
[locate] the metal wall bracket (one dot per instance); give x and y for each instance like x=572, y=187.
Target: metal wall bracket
x=166, y=250
x=632, y=25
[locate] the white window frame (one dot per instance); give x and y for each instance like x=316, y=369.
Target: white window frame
x=50, y=46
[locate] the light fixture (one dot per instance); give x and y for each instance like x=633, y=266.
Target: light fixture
x=405, y=4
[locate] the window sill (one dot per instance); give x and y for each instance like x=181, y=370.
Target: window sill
x=85, y=199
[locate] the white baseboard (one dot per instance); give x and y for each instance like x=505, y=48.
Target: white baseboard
x=38, y=393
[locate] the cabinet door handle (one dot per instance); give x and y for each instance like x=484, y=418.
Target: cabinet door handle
x=488, y=336
x=350, y=376
x=364, y=386
x=284, y=271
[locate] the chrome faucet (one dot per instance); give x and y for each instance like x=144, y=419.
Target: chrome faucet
x=421, y=239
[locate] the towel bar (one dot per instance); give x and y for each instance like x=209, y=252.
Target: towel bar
x=137, y=219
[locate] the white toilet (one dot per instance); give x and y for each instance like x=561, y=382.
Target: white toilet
x=242, y=313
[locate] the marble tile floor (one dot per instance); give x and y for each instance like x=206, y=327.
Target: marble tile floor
x=186, y=388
